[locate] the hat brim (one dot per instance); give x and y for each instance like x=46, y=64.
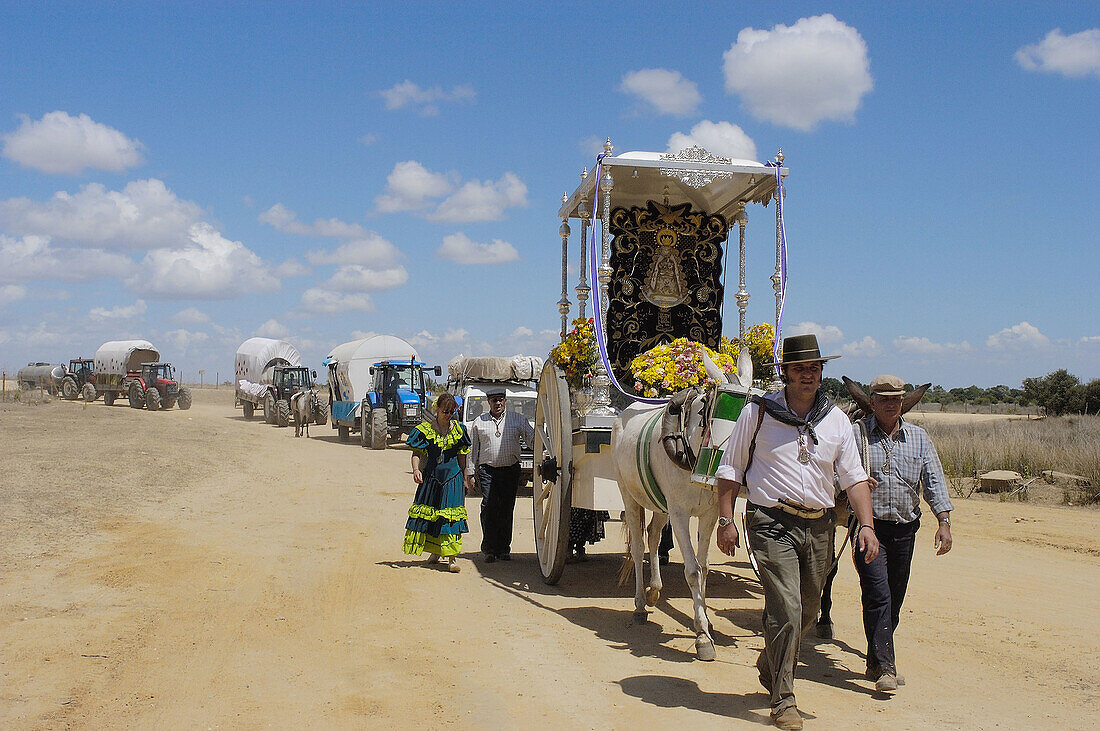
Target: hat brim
x=804, y=360
x=888, y=393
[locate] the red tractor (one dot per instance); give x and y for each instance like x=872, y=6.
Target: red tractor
x=155, y=387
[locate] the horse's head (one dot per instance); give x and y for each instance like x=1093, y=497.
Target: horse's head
x=682, y=426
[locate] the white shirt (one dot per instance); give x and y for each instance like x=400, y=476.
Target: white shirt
x=498, y=451
x=776, y=474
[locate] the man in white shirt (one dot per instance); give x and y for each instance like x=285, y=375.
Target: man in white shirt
x=785, y=450
x=494, y=463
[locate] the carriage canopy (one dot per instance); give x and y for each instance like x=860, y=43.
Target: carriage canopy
x=119, y=357
x=257, y=357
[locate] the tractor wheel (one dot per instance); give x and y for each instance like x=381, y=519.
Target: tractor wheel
x=88, y=392
x=282, y=412
x=69, y=389
x=248, y=409
x=152, y=399
x=269, y=409
x=184, y=399
x=344, y=433
x=320, y=413
x=168, y=403
x=137, y=396
x=379, y=429
x=108, y=398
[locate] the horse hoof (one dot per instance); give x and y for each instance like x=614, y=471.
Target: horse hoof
x=704, y=649
x=640, y=617
x=825, y=630
x=651, y=596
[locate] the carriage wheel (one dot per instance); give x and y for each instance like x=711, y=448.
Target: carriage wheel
x=553, y=476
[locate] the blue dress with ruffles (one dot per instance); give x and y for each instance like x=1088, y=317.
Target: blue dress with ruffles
x=437, y=517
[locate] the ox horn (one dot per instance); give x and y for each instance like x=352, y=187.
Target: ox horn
x=671, y=432
x=913, y=398
x=863, y=401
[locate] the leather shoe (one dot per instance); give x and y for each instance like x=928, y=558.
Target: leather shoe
x=886, y=681
x=788, y=718
x=505, y=557
x=489, y=558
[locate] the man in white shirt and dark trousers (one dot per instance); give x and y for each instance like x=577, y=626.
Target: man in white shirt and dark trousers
x=785, y=450
x=494, y=463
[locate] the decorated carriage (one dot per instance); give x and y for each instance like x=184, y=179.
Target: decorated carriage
x=654, y=274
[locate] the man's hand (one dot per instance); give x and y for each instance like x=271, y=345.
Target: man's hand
x=728, y=539
x=867, y=542
x=942, y=541
x=469, y=484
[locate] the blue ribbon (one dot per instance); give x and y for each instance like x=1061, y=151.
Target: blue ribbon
x=593, y=273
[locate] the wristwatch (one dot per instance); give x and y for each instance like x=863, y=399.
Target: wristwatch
x=724, y=521
x=946, y=520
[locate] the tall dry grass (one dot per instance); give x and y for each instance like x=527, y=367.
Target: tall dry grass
x=1065, y=444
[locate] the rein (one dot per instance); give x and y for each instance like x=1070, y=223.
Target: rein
x=674, y=438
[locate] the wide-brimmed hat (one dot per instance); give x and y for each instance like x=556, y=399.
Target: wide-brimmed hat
x=885, y=384
x=801, y=349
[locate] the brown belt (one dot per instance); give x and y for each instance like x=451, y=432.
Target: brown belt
x=799, y=511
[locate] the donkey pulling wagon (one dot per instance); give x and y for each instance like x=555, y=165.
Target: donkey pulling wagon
x=657, y=275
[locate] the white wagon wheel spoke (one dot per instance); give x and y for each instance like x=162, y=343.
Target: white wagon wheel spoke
x=553, y=455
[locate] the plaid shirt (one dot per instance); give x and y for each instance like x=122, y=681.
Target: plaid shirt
x=914, y=465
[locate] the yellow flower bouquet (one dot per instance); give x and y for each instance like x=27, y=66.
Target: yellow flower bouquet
x=666, y=369
x=761, y=342
x=577, y=354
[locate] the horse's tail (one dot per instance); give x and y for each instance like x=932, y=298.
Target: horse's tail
x=626, y=570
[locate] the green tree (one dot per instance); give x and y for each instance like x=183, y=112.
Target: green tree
x=1059, y=392
x=1092, y=396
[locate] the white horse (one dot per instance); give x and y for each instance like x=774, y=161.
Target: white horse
x=654, y=449
x=302, y=406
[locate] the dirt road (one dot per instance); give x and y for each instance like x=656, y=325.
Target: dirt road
x=192, y=569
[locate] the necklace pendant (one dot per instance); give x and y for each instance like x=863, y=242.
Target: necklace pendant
x=803, y=455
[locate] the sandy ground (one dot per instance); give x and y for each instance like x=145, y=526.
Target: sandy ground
x=192, y=569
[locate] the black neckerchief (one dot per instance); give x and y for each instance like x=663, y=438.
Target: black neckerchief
x=783, y=414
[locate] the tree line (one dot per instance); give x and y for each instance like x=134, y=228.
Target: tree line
x=1057, y=393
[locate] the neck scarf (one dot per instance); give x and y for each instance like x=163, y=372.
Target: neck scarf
x=783, y=414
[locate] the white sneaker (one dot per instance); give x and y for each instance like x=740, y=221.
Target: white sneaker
x=452, y=565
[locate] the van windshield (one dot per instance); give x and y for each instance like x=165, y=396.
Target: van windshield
x=475, y=406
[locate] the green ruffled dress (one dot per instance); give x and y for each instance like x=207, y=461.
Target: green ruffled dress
x=437, y=517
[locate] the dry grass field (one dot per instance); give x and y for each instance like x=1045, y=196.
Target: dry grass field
x=197, y=570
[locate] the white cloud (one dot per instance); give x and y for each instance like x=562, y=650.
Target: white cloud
x=291, y=268
x=180, y=340
x=719, y=138
x=62, y=144
x=285, y=220
x=363, y=334
x=591, y=145
x=1075, y=55
x=211, y=267
x=666, y=91
x=191, y=316
x=356, y=278
x=462, y=249
x=324, y=302
x=1023, y=335
x=482, y=201
x=409, y=94
x=410, y=187
x=826, y=334
x=868, y=348
x=450, y=336
x=925, y=346
x=368, y=139
x=11, y=293
x=272, y=329
x=33, y=258
x=371, y=251
x=522, y=332
x=1091, y=339
x=800, y=75
x=143, y=215
x=101, y=314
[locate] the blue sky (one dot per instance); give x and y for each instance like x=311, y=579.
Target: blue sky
x=199, y=173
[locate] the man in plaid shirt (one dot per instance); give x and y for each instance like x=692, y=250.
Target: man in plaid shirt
x=904, y=464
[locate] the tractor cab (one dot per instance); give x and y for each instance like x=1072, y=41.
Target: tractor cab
x=82, y=370
x=399, y=388
x=289, y=380
x=161, y=376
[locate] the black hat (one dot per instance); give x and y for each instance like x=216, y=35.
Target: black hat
x=801, y=349
x=496, y=392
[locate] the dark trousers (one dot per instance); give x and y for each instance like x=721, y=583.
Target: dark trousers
x=883, y=582
x=498, y=502
x=793, y=555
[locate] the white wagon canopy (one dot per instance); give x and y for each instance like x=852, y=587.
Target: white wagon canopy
x=257, y=357
x=119, y=357
x=351, y=362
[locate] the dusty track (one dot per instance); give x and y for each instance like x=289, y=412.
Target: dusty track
x=187, y=569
